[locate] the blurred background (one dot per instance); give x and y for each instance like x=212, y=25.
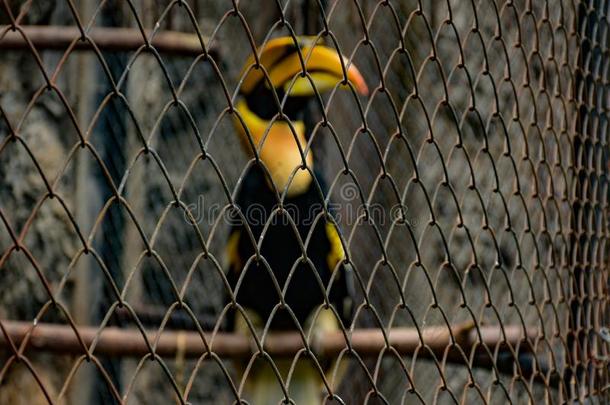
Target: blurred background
x=484, y=161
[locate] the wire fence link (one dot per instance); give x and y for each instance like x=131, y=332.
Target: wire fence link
x=469, y=189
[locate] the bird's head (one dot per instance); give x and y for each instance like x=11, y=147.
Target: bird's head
x=275, y=134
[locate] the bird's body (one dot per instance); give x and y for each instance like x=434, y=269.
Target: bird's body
x=285, y=254
x=302, y=217
x=302, y=283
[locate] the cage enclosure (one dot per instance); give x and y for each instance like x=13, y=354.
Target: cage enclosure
x=467, y=190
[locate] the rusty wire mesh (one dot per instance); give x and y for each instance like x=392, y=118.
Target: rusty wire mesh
x=474, y=192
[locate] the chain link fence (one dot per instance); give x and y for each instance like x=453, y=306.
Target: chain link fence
x=471, y=188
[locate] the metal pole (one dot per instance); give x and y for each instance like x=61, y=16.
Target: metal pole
x=112, y=341
x=84, y=76
x=105, y=39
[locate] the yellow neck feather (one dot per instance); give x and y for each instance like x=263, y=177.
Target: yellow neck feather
x=277, y=146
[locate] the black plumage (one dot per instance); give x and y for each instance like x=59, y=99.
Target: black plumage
x=282, y=252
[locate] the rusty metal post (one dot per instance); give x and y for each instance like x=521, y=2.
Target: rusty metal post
x=84, y=77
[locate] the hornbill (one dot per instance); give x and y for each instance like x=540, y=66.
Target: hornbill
x=285, y=255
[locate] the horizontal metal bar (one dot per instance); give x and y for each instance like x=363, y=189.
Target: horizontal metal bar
x=106, y=39
x=113, y=341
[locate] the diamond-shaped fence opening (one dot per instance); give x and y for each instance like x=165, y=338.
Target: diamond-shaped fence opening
x=468, y=188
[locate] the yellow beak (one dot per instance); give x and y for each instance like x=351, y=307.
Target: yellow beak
x=299, y=70
x=281, y=60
